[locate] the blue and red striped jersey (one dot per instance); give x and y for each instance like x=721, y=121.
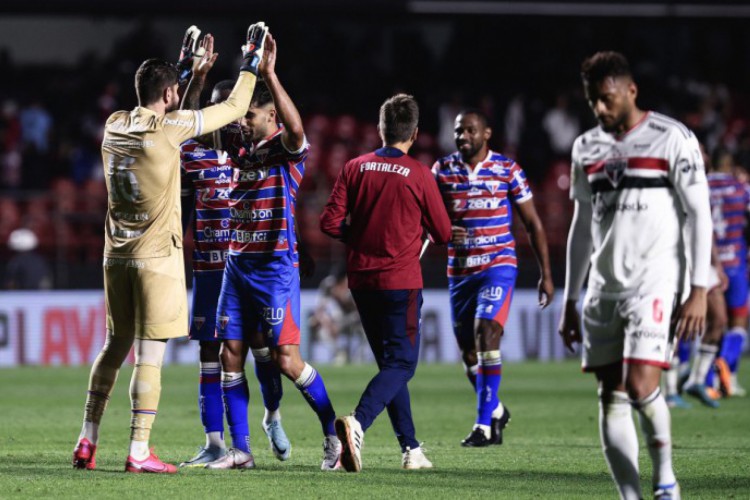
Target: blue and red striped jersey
x=206, y=186
x=263, y=198
x=730, y=205
x=479, y=199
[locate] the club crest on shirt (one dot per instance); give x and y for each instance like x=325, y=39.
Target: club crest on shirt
x=223, y=321
x=614, y=169
x=198, y=322
x=492, y=186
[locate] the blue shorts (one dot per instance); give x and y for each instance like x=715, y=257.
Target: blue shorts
x=206, y=289
x=259, y=294
x=736, y=294
x=485, y=295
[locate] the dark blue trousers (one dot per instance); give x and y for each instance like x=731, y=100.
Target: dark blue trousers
x=391, y=322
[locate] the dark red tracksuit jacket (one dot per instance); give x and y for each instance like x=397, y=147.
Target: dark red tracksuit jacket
x=389, y=199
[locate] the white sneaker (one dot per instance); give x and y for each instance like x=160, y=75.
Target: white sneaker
x=349, y=432
x=234, y=459
x=415, y=459
x=736, y=389
x=331, y=453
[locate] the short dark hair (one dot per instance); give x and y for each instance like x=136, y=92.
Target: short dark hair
x=602, y=65
x=478, y=113
x=399, y=117
x=152, y=77
x=261, y=94
x=222, y=86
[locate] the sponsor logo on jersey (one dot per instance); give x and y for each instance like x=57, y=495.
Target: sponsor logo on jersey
x=273, y=315
x=257, y=174
x=492, y=293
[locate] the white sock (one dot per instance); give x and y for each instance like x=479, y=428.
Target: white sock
x=90, y=431
x=620, y=443
x=215, y=440
x=656, y=426
x=499, y=410
x=231, y=376
x=270, y=416
x=139, y=450
x=485, y=430
x=671, y=377
x=704, y=360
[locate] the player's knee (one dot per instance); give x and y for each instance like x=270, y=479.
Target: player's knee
x=290, y=365
x=231, y=361
x=116, y=349
x=209, y=351
x=470, y=357
x=638, y=386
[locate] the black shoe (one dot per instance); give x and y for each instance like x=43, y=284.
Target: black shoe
x=497, y=425
x=476, y=439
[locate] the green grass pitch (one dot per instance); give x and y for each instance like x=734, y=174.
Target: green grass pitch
x=551, y=447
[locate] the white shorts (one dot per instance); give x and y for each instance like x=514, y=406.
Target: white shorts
x=635, y=330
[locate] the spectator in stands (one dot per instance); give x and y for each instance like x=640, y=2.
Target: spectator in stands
x=36, y=124
x=26, y=270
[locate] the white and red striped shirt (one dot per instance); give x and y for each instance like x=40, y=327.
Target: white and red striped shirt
x=635, y=183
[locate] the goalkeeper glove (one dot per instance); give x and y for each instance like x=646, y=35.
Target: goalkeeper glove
x=252, y=51
x=188, y=52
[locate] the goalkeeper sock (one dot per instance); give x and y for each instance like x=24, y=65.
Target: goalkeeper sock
x=102, y=380
x=236, y=400
x=269, y=378
x=313, y=389
x=489, y=374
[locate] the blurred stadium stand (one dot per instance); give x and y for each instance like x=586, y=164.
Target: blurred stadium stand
x=518, y=61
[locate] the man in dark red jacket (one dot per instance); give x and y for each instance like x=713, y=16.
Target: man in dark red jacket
x=389, y=200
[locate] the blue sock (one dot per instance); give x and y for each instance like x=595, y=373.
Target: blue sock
x=489, y=375
x=683, y=351
x=209, y=397
x=311, y=385
x=710, y=376
x=236, y=401
x=269, y=378
x=731, y=347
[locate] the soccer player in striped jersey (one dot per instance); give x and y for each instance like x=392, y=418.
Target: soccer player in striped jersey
x=479, y=189
x=260, y=288
x=730, y=207
x=207, y=170
x=637, y=180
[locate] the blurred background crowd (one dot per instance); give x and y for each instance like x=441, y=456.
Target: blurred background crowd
x=523, y=71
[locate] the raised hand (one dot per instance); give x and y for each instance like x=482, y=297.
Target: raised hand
x=268, y=64
x=202, y=64
x=252, y=51
x=187, y=53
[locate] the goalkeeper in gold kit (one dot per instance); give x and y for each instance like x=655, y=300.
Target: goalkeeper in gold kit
x=144, y=278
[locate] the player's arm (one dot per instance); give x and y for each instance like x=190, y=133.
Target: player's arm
x=333, y=219
x=577, y=260
x=187, y=201
x=434, y=215
x=201, y=66
x=183, y=125
x=538, y=239
x=293, y=136
x=688, y=176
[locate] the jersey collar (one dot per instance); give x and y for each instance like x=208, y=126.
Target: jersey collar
x=473, y=170
x=389, y=152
